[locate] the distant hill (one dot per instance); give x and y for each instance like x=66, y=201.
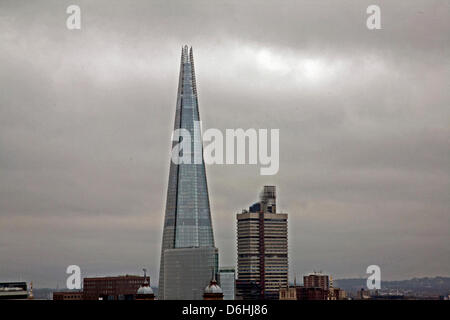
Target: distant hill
x=43, y=293
x=416, y=286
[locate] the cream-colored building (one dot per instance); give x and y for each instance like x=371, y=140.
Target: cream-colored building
x=262, y=246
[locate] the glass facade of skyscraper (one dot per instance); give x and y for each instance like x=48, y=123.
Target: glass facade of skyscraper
x=187, y=221
x=188, y=271
x=227, y=281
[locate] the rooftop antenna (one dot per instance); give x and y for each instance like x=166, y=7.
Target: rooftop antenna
x=145, y=275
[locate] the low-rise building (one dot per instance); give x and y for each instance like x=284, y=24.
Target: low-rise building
x=68, y=295
x=112, y=288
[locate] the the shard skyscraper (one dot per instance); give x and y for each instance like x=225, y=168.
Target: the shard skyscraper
x=188, y=254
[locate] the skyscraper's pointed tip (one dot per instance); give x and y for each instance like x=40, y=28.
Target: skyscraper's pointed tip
x=185, y=53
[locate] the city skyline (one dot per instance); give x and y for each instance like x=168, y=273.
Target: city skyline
x=86, y=116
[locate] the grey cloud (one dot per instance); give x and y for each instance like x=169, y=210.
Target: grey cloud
x=86, y=119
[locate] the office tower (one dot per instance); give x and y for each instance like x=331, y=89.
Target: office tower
x=187, y=222
x=262, y=249
x=316, y=280
x=227, y=281
x=316, y=286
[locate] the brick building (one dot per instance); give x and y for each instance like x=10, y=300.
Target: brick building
x=68, y=295
x=112, y=288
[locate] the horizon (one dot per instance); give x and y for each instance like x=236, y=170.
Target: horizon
x=290, y=282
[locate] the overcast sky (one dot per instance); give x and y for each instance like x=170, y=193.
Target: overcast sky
x=86, y=118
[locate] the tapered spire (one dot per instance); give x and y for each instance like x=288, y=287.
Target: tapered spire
x=187, y=221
